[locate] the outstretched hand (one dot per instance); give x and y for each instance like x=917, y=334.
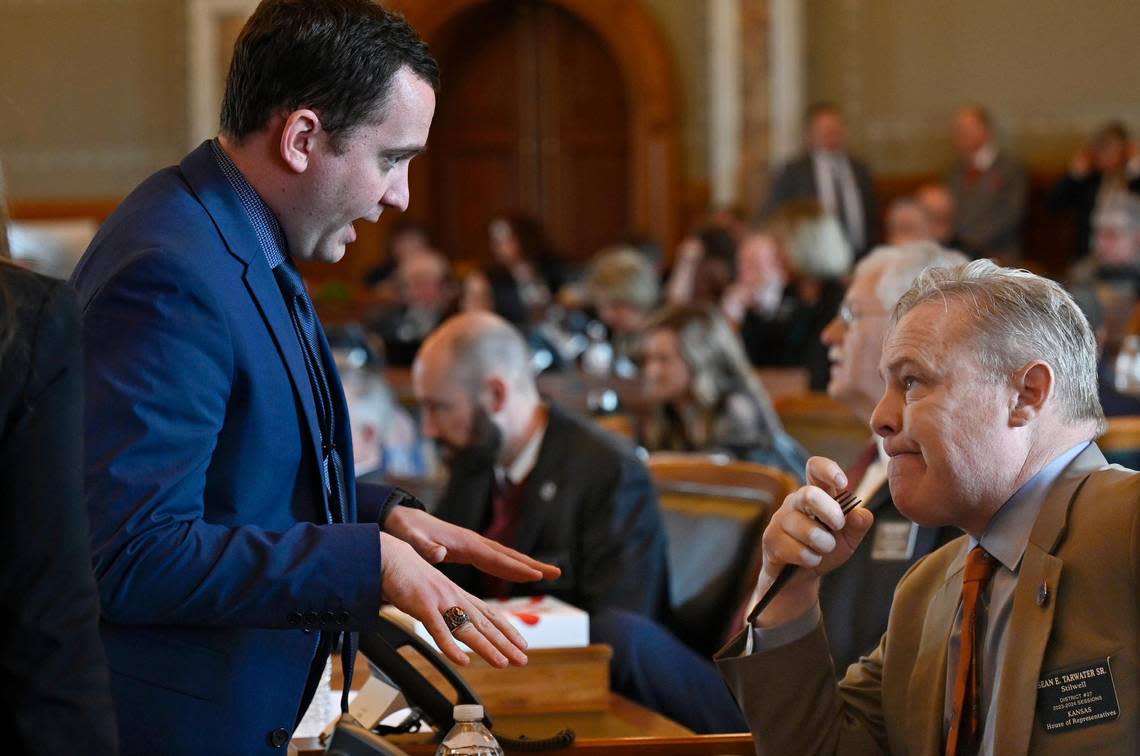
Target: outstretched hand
x=438, y=541
x=425, y=593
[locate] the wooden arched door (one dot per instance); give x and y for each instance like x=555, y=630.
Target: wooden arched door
x=533, y=116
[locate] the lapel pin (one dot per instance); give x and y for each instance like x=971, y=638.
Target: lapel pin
x=548, y=490
x=1042, y=594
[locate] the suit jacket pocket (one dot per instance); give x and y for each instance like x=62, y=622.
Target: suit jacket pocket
x=147, y=655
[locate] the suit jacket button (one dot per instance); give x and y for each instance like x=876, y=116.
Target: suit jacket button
x=312, y=619
x=279, y=737
x=294, y=618
x=343, y=618
x=329, y=617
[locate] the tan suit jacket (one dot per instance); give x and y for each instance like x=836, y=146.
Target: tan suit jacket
x=1084, y=549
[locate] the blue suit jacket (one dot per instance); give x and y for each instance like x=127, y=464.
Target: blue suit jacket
x=220, y=573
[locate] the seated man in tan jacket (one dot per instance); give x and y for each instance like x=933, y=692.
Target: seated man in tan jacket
x=1022, y=636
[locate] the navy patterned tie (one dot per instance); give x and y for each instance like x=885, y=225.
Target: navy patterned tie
x=332, y=470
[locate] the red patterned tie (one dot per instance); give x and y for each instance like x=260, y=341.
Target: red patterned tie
x=964, y=728
x=506, y=505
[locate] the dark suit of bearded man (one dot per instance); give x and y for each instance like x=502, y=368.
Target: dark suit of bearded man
x=588, y=506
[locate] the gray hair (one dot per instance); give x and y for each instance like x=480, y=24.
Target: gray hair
x=902, y=264
x=488, y=346
x=1020, y=317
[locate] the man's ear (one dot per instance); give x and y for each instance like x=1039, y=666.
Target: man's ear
x=496, y=392
x=299, y=137
x=1033, y=386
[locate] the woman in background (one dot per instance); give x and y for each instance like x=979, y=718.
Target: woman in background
x=703, y=395
x=525, y=271
x=1109, y=165
x=54, y=689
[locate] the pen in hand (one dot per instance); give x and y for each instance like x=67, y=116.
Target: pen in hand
x=847, y=501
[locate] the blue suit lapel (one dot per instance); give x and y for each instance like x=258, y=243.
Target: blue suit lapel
x=215, y=193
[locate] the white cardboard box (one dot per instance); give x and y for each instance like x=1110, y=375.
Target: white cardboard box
x=544, y=621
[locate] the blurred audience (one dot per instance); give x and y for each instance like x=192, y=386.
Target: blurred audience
x=817, y=257
x=1106, y=167
x=907, y=221
x=405, y=238
x=623, y=288
x=425, y=299
x=827, y=173
x=1116, y=245
x=704, y=267
x=989, y=187
x=524, y=270
x=385, y=441
x=938, y=203
x=761, y=276
x=703, y=396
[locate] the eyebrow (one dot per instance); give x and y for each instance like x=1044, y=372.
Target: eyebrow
x=399, y=153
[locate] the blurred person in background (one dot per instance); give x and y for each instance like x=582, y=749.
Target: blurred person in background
x=761, y=276
x=1116, y=245
x=938, y=203
x=426, y=298
x=703, y=395
x=1107, y=166
x=907, y=221
x=990, y=189
x=827, y=173
x=1111, y=276
x=622, y=286
x=385, y=441
x=524, y=270
x=475, y=293
x=817, y=257
x=55, y=695
x=405, y=238
x=704, y=268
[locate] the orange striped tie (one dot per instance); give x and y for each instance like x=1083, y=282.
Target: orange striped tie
x=964, y=728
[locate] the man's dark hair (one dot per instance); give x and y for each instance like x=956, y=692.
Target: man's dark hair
x=336, y=57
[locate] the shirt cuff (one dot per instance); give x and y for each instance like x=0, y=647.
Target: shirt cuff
x=768, y=638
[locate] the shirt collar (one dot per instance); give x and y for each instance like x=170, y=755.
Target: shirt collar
x=264, y=222
x=829, y=156
x=1008, y=532
x=524, y=463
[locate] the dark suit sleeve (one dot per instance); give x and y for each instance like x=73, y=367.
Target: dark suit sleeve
x=54, y=683
x=783, y=189
x=159, y=366
x=623, y=545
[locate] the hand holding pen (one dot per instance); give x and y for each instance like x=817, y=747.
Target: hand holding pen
x=810, y=531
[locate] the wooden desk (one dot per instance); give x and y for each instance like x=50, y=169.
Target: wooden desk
x=525, y=701
x=625, y=727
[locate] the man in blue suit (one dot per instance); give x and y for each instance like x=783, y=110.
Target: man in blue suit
x=231, y=544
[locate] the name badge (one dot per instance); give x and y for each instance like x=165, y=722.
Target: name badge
x=893, y=541
x=1079, y=696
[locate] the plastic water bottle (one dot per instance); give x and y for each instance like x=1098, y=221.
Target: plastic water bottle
x=469, y=737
